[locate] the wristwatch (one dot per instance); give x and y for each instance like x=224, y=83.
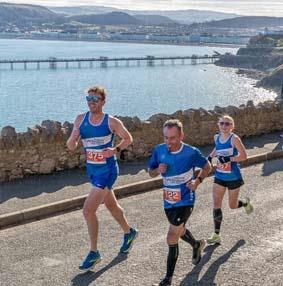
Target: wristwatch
x=200, y=179
x=118, y=149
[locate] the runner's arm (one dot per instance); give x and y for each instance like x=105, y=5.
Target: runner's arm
x=73, y=140
x=204, y=172
x=237, y=142
x=212, y=153
x=118, y=128
x=153, y=172
x=154, y=165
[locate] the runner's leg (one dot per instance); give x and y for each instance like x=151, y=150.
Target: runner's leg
x=91, y=204
x=218, y=194
x=116, y=211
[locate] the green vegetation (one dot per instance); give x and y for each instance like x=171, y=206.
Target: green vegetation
x=267, y=40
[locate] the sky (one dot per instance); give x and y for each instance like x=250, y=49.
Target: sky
x=243, y=7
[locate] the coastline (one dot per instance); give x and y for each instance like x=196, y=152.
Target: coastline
x=128, y=42
x=266, y=69
x=258, y=76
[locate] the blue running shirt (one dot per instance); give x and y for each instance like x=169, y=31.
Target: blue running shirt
x=180, y=169
x=229, y=171
x=95, y=138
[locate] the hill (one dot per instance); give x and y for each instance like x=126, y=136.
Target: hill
x=249, y=22
x=181, y=16
x=155, y=20
x=26, y=14
x=112, y=18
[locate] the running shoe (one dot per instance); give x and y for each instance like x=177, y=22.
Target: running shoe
x=90, y=261
x=129, y=240
x=197, y=251
x=165, y=281
x=214, y=239
x=248, y=207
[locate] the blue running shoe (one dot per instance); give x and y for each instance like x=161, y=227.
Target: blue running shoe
x=129, y=240
x=90, y=261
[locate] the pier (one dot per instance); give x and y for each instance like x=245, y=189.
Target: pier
x=104, y=62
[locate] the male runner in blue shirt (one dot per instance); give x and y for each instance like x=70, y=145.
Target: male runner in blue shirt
x=176, y=162
x=96, y=129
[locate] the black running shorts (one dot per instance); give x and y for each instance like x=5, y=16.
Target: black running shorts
x=178, y=215
x=231, y=185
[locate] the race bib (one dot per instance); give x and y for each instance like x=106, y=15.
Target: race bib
x=172, y=196
x=224, y=168
x=95, y=157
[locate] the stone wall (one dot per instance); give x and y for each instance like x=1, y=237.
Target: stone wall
x=42, y=149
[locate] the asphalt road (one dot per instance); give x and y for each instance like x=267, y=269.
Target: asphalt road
x=48, y=252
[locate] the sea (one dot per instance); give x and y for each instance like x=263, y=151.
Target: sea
x=29, y=96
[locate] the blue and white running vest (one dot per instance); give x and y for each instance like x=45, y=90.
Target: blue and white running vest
x=180, y=170
x=229, y=171
x=95, y=138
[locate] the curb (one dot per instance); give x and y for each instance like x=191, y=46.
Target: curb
x=36, y=213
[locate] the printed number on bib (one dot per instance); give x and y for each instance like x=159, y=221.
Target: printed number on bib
x=224, y=168
x=172, y=196
x=95, y=157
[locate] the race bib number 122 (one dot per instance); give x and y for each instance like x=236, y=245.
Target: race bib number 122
x=172, y=196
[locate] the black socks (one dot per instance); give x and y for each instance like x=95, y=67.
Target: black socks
x=241, y=204
x=188, y=237
x=217, y=217
x=172, y=259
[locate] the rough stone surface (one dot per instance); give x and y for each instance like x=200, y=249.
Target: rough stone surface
x=42, y=149
x=8, y=131
x=47, y=166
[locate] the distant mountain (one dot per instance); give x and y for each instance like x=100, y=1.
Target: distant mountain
x=247, y=22
x=26, y=14
x=155, y=20
x=83, y=10
x=112, y=18
x=191, y=16
x=181, y=16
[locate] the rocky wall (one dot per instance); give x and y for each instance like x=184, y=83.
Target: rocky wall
x=42, y=149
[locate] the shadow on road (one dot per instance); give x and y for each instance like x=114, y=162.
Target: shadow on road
x=38, y=184
x=51, y=183
x=270, y=167
x=87, y=278
x=208, y=278
x=261, y=140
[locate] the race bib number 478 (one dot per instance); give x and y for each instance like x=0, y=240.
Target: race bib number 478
x=172, y=196
x=95, y=157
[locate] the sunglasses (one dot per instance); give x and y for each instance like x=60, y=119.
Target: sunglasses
x=93, y=98
x=224, y=123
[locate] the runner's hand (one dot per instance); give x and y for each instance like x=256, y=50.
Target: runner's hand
x=108, y=152
x=162, y=168
x=223, y=159
x=193, y=184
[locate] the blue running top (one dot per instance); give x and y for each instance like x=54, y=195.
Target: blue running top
x=95, y=138
x=229, y=171
x=180, y=169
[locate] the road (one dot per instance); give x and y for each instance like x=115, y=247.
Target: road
x=48, y=252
